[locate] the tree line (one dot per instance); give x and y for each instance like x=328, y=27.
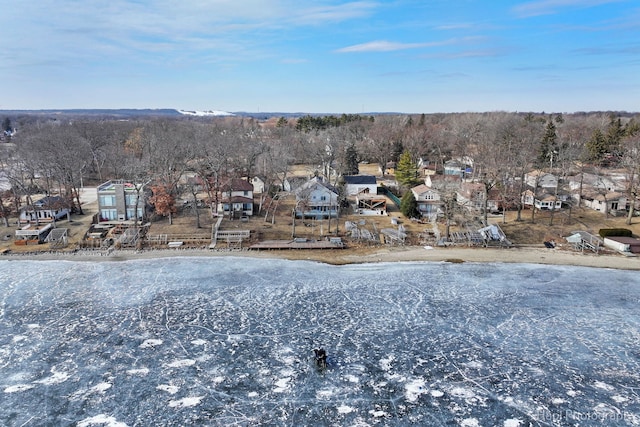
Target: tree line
x=62, y=154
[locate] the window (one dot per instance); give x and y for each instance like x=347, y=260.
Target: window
x=131, y=213
x=131, y=199
x=108, y=200
x=109, y=214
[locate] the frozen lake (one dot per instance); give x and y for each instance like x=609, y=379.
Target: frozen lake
x=229, y=341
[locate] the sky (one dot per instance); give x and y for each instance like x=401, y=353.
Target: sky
x=322, y=56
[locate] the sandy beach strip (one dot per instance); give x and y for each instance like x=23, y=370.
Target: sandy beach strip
x=531, y=255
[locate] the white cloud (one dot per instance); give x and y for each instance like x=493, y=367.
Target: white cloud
x=387, y=46
x=549, y=7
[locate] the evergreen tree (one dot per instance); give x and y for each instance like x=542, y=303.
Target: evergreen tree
x=396, y=150
x=548, y=144
x=597, y=146
x=282, y=122
x=406, y=170
x=409, y=205
x=615, y=133
x=6, y=124
x=351, y=160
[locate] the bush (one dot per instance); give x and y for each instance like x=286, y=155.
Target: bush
x=617, y=232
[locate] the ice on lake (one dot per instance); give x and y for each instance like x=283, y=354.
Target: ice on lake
x=229, y=341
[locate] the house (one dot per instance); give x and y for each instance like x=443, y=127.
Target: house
x=605, y=203
x=47, y=209
x=599, y=182
x=428, y=200
x=471, y=195
x=119, y=200
x=360, y=184
x=451, y=182
x=316, y=199
x=425, y=167
x=541, y=200
x=259, y=184
x=540, y=179
x=236, y=198
x=459, y=167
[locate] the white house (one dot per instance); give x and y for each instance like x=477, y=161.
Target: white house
x=541, y=179
x=428, y=200
x=47, y=209
x=600, y=182
x=360, y=184
x=258, y=184
x=316, y=199
x=605, y=203
x=541, y=200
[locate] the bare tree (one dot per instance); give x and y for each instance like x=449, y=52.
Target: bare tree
x=631, y=164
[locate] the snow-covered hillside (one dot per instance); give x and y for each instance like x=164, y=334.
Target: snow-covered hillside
x=205, y=113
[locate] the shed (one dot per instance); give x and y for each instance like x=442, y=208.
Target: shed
x=623, y=244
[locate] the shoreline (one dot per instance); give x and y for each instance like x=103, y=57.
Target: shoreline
x=520, y=255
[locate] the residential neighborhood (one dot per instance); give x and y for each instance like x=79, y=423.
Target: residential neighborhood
x=204, y=202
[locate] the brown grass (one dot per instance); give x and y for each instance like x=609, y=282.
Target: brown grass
x=524, y=232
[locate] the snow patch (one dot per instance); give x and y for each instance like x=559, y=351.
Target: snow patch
x=619, y=399
x=474, y=364
x=150, y=343
x=344, y=409
x=352, y=378
x=186, y=402
x=603, y=386
x=470, y=422
x=18, y=338
x=183, y=363
x=413, y=389
x=100, y=387
x=101, y=419
x=198, y=342
x=18, y=387
x=282, y=385
x=513, y=422
x=139, y=371
x=171, y=389
x=385, y=364
x=462, y=392
x=56, y=378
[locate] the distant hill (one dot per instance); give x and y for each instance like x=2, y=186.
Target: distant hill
x=125, y=113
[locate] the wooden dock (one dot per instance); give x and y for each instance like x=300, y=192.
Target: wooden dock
x=296, y=244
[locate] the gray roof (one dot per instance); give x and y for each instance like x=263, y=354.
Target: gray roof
x=360, y=179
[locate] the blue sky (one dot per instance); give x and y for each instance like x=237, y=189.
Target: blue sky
x=409, y=56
